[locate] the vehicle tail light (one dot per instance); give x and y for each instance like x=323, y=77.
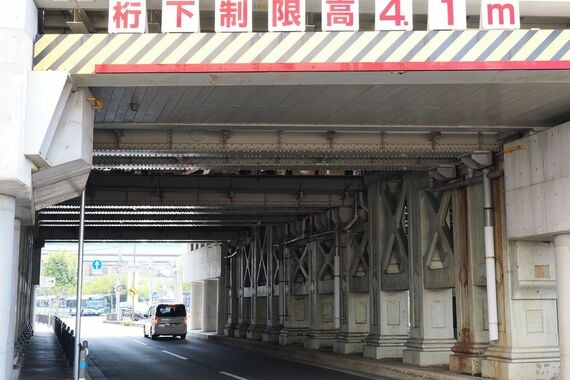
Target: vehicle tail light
x=156, y=320
x=186, y=319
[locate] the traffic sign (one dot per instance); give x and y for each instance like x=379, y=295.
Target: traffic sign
x=47, y=282
x=132, y=292
x=119, y=288
x=96, y=264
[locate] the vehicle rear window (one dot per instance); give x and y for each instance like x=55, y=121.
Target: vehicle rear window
x=171, y=311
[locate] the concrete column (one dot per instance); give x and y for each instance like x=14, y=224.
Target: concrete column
x=295, y=318
x=322, y=332
x=209, y=305
x=231, y=297
x=528, y=346
x=244, y=296
x=562, y=243
x=196, y=304
x=355, y=302
x=221, y=316
x=472, y=337
x=273, y=328
x=389, y=315
x=15, y=289
x=431, y=335
x=7, y=258
x=258, y=290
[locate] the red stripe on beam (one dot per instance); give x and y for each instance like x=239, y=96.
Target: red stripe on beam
x=330, y=67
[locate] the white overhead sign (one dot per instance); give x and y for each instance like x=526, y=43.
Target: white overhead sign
x=286, y=15
x=183, y=16
x=394, y=15
x=339, y=15
x=447, y=15
x=500, y=14
x=127, y=16
x=180, y=16
x=233, y=16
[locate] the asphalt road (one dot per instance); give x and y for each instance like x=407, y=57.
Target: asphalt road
x=123, y=353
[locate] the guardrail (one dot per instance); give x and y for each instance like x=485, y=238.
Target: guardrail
x=45, y=318
x=66, y=338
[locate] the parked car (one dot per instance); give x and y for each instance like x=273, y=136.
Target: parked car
x=166, y=319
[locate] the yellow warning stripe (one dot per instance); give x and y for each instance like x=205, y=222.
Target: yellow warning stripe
x=57, y=52
x=79, y=54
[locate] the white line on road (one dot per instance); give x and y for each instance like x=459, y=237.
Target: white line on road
x=136, y=341
x=232, y=375
x=173, y=354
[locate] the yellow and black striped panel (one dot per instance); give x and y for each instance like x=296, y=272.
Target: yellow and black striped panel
x=79, y=53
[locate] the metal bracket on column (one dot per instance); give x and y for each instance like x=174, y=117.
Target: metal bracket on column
x=359, y=266
x=439, y=260
x=477, y=160
x=299, y=256
x=325, y=273
x=443, y=173
x=395, y=251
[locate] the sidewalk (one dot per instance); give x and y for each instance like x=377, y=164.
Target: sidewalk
x=44, y=358
x=391, y=368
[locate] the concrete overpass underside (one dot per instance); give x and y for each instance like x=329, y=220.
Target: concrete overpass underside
x=357, y=181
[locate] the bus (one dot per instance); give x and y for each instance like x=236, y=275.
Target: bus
x=93, y=304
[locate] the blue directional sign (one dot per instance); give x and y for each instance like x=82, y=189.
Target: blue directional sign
x=96, y=264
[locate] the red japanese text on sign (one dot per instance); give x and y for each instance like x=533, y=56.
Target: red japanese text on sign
x=340, y=15
x=180, y=16
x=500, y=14
x=181, y=10
x=286, y=15
x=127, y=16
x=447, y=15
x=233, y=16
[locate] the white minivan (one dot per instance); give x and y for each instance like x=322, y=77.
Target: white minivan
x=166, y=319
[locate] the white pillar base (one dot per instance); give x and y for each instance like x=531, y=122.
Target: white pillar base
x=390, y=346
x=528, y=364
x=271, y=333
x=426, y=352
x=349, y=343
x=316, y=339
x=468, y=360
x=292, y=335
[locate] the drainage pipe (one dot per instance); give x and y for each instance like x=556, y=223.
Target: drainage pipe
x=490, y=257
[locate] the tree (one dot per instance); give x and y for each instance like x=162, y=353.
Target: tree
x=100, y=285
x=63, y=267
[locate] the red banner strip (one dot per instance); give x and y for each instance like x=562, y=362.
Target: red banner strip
x=329, y=67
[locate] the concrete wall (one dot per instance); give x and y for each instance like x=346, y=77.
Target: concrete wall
x=18, y=25
x=537, y=183
x=203, y=264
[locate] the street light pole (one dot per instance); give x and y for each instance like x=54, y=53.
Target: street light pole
x=79, y=288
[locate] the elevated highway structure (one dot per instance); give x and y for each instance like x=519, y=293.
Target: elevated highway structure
x=355, y=183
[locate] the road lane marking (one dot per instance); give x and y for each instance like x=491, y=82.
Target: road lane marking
x=232, y=375
x=136, y=341
x=175, y=355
